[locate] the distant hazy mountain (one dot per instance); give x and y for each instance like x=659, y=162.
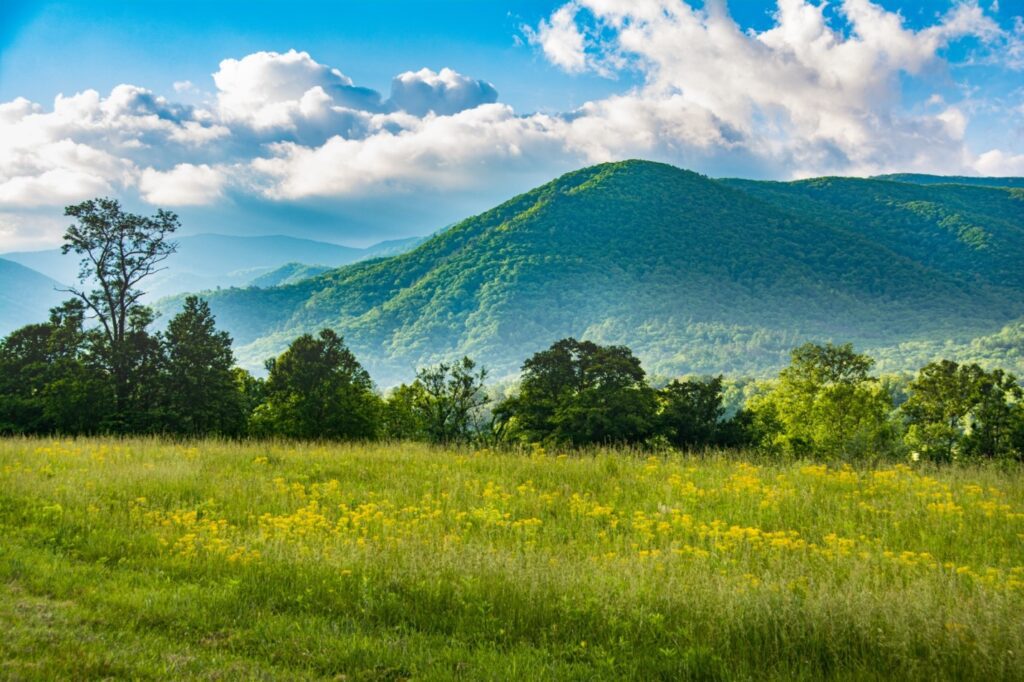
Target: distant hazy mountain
x=919, y=179
x=697, y=275
x=209, y=261
x=290, y=273
x=391, y=247
x=25, y=296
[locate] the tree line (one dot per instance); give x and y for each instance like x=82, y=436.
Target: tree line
x=96, y=366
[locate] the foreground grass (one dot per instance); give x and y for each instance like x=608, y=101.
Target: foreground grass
x=145, y=559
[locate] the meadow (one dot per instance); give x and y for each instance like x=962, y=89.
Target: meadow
x=150, y=559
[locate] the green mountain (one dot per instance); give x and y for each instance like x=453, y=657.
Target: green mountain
x=290, y=273
x=25, y=296
x=920, y=179
x=695, y=274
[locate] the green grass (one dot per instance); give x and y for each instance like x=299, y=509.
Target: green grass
x=146, y=559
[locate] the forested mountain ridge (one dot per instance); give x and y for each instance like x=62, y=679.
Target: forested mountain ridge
x=696, y=275
x=923, y=179
x=975, y=231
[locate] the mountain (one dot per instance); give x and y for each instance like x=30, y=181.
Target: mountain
x=290, y=273
x=392, y=247
x=975, y=232
x=919, y=179
x=25, y=296
x=208, y=261
x=695, y=274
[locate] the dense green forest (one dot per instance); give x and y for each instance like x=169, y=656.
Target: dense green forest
x=924, y=179
x=696, y=275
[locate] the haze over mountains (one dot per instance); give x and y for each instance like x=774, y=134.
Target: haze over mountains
x=695, y=274
x=25, y=296
x=209, y=261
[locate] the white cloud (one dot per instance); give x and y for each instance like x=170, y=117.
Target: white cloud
x=268, y=90
x=438, y=152
x=448, y=92
x=802, y=94
x=1000, y=164
x=561, y=40
x=89, y=144
x=183, y=185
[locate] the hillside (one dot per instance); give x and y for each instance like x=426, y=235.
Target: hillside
x=920, y=179
x=696, y=275
x=24, y=295
x=290, y=273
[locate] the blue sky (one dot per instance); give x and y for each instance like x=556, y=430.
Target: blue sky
x=310, y=131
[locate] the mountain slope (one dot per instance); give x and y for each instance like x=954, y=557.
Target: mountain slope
x=25, y=296
x=693, y=273
x=920, y=179
x=975, y=231
x=290, y=273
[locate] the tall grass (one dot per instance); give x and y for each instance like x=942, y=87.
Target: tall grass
x=149, y=559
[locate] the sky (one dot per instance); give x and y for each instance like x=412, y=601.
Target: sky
x=355, y=122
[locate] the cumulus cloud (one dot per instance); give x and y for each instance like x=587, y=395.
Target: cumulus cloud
x=438, y=152
x=269, y=90
x=1000, y=164
x=183, y=185
x=802, y=93
x=561, y=39
x=445, y=93
x=89, y=144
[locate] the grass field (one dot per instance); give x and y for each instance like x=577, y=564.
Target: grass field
x=146, y=559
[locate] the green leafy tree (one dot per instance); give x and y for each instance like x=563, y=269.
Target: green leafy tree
x=119, y=250
x=826, y=403
x=317, y=389
x=78, y=396
x=448, y=398
x=578, y=392
x=251, y=390
x=961, y=410
x=997, y=417
x=49, y=380
x=142, y=354
x=402, y=418
x=201, y=390
x=692, y=415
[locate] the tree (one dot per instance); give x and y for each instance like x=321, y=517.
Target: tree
x=49, y=380
x=578, y=392
x=251, y=391
x=402, y=418
x=200, y=389
x=825, y=402
x=448, y=398
x=317, y=389
x=119, y=250
x=692, y=415
x=961, y=410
